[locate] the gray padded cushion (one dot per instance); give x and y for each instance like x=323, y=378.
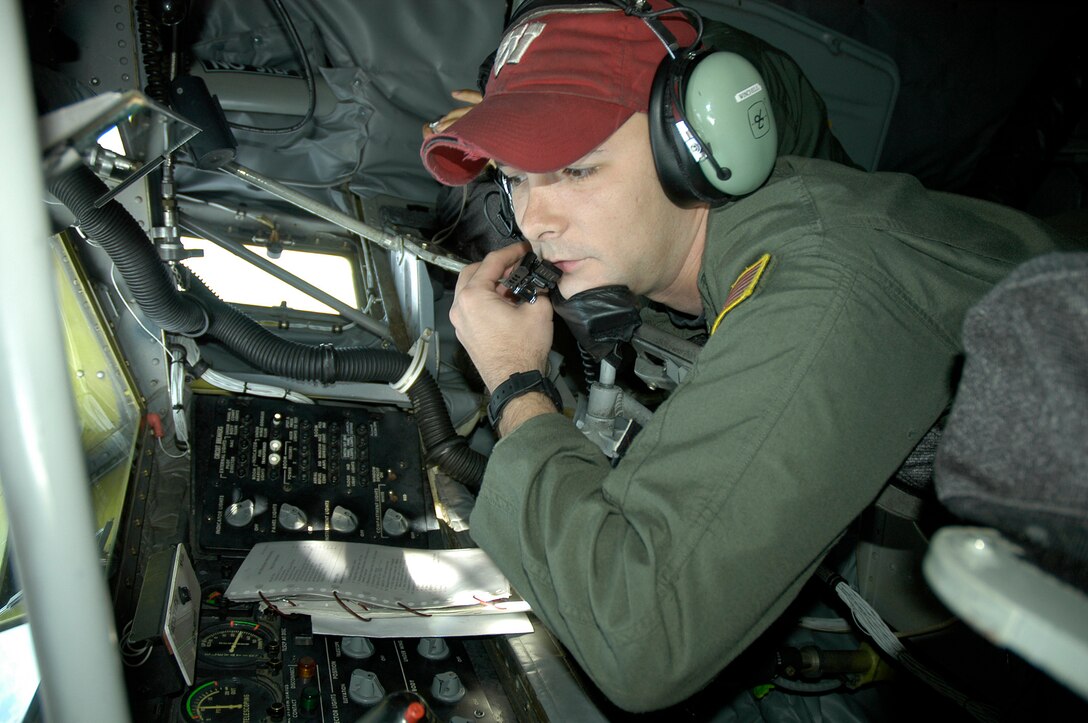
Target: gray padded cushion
x=1014, y=455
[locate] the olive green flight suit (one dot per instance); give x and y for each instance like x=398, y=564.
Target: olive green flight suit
x=804, y=401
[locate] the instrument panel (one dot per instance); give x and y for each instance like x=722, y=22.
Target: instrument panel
x=267, y=470
x=261, y=667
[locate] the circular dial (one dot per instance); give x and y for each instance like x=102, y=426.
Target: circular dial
x=235, y=644
x=229, y=700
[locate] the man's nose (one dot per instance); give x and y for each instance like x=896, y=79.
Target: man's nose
x=539, y=214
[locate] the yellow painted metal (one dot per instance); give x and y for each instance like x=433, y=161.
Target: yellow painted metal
x=108, y=408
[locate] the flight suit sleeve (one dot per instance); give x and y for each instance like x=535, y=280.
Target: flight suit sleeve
x=657, y=573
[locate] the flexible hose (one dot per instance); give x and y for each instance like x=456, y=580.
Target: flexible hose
x=326, y=364
x=114, y=229
x=202, y=312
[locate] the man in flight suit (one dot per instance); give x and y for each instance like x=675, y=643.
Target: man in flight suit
x=833, y=300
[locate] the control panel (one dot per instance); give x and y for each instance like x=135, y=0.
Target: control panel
x=267, y=470
x=270, y=470
x=267, y=668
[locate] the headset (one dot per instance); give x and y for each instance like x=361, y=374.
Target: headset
x=712, y=130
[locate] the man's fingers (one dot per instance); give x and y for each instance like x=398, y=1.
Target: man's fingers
x=503, y=260
x=465, y=276
x=468, y=95
x=472, y=97
x=487, y=275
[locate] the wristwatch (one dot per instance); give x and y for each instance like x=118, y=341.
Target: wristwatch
x=519, y=383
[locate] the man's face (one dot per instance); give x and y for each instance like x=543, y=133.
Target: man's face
x=605, y=219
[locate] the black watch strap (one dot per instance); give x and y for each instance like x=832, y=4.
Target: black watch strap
x=518, y=384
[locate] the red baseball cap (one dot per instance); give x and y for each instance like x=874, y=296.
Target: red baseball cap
x=564, y=79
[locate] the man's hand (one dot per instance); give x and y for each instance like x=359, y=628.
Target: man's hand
x=501, y=336
x=472, y=97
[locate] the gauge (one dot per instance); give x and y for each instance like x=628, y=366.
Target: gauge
x=235, y=644
x=230, y=700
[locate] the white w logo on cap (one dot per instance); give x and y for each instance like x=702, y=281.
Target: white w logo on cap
x=515, y=44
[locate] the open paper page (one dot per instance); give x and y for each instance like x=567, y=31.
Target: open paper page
x=377, y=575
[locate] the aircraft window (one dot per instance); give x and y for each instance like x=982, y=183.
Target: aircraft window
x=240, y=282
x=111, y=141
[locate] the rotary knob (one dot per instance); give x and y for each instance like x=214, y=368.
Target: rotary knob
x=356, y=647
x=364, y=688
x=292, y=518
x=394, y=523
x=447, y=687
x=343, y=520
x=433, y=648
x=239, y=514
x=242, y=512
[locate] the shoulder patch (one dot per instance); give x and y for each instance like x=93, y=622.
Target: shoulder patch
x=742, y=288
